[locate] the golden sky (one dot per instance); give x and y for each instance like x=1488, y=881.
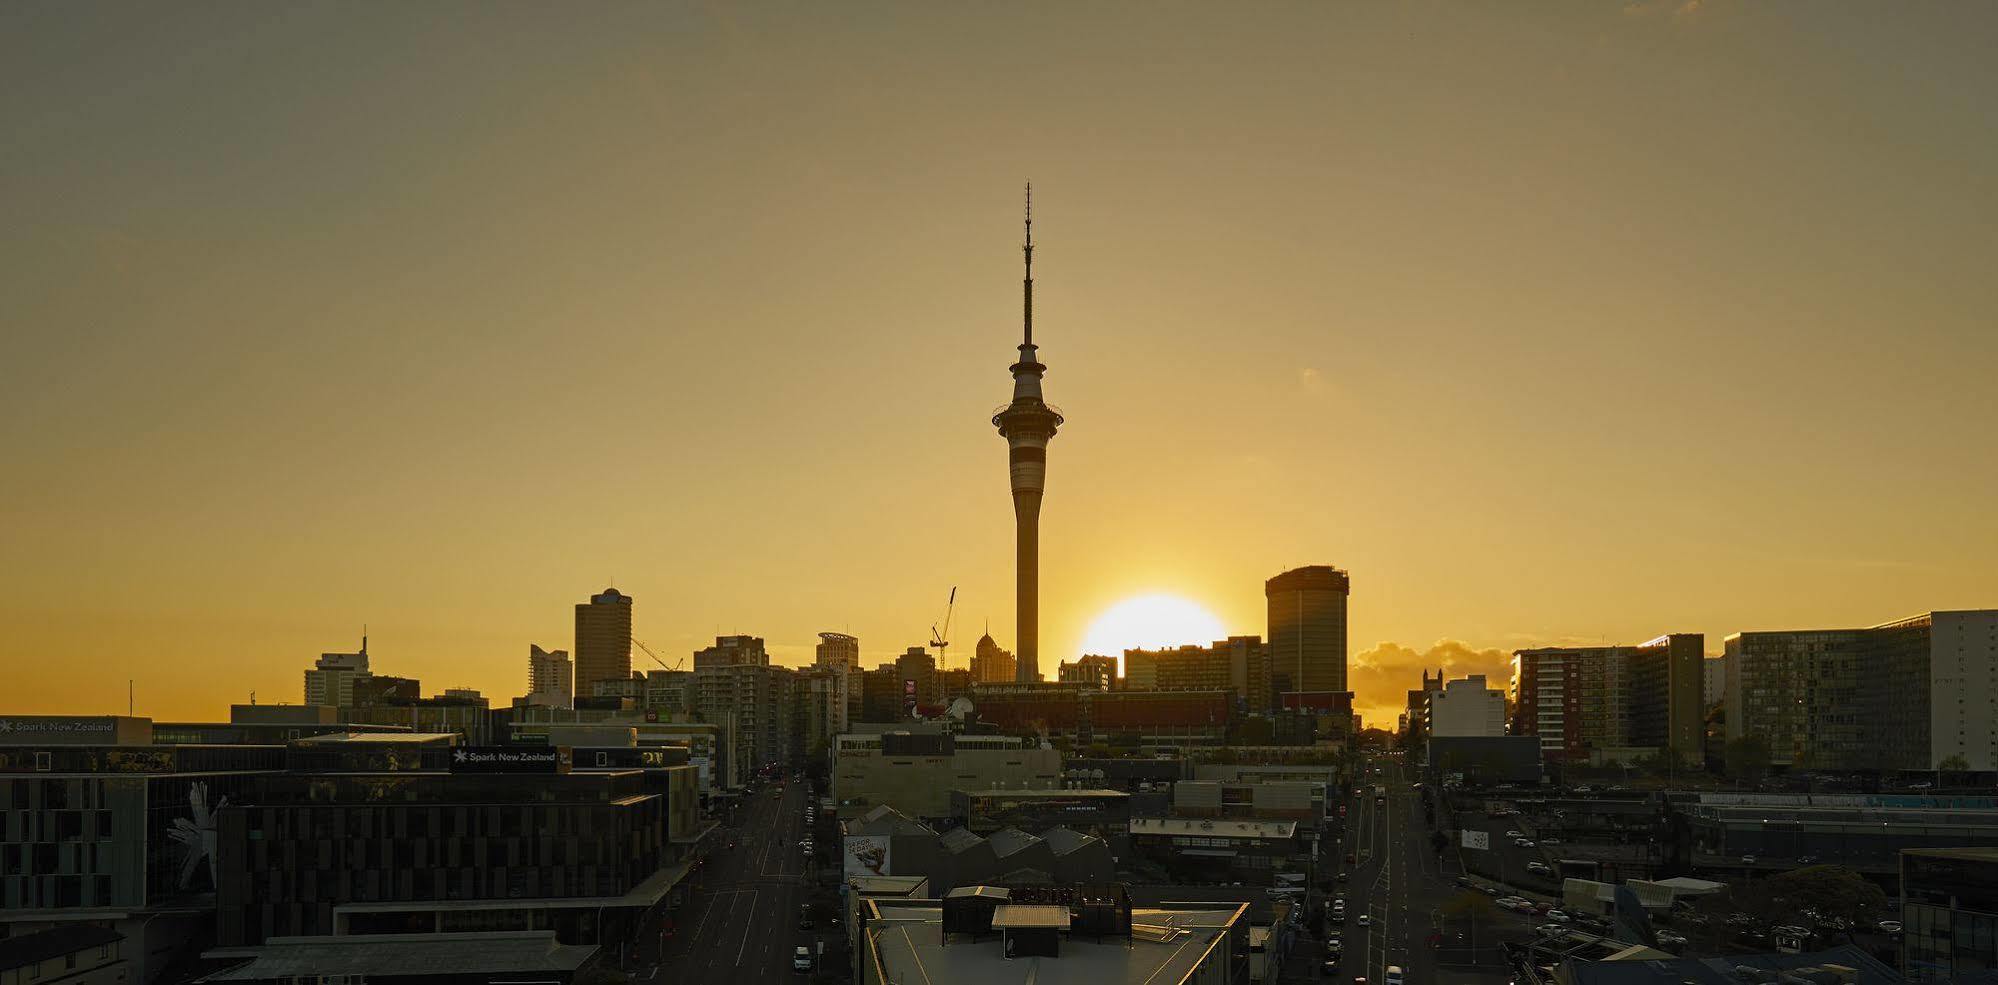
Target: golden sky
x=1548, y=321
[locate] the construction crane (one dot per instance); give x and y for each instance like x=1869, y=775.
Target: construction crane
x=675, y=665
x=941, y=640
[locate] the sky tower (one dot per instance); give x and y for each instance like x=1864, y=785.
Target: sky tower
x=1027, y=424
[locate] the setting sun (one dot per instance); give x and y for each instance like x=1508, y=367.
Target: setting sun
x=1151, y=621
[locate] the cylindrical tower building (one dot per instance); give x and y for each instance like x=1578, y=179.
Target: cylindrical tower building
x=1028, y=423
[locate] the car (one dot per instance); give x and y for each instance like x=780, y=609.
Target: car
x=801, y=958
x=1393, y=976
x=1523, y=843
x=805, y=922
x=1366, y=922
x=1550, y=841
x=1808, y=860
x=1333, y=946
x=1667, y=938
x=1539, y=868
x=1337, y=917
x=1552, y=930
x=1343, y=876
x=1558, y=916
x=1748, y=860
x=1329, y=968
x=1514, y=834
x=1889, y=927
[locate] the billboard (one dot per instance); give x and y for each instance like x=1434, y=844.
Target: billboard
x=1477, y=839
x=866, y=855
x=509, y=759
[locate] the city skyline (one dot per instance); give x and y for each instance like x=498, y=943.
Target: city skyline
x=461, y=345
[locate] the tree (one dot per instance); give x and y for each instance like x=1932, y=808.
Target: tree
x=1747, y=757
x=1829, y=891
x=1953, y=763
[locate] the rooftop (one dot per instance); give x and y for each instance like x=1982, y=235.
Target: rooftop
x=1987, y=854
x=1212, y=827
x=1165, y=948
x=402, y=955
x=381, y=738
x=1723, y=971
x=1012, y=915
x=31, y=949
x=1048, y=792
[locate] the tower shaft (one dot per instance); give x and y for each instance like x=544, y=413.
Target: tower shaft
x=1027, y=423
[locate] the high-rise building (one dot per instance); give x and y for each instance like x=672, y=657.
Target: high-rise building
x=733, y=651
x=603, y=640
x=1307, y=626
x=1713, y=681
x=1097, y=671
x=1466, y=708
x=1613, y=700
x=1910, y=694
x=1028, y=423
x=736, y=687
x=331, y=679
x=916, y=669
x=838, y=650
x=991, y=663
x=1239, y=663
x=1307, y=632
x=550, y=678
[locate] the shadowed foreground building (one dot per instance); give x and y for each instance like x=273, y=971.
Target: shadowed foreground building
x=1050, y=936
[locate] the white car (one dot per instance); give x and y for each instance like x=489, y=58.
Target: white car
x=1886, y=926
x=1522, y=843
x=1558, y=917
x=1514, y=834
x=1365, y=921
x=801, y=958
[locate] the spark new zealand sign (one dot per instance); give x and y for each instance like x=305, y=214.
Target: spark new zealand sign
x=507, y=759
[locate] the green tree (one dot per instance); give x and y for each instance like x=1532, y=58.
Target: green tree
x=1953, y=763
x=1747, y=757
x=1827, y=890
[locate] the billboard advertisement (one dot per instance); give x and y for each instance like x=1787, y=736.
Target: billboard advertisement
x=1477, y=839
x=866, y=855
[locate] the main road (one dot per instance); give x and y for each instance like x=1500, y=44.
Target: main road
x=1401, y=883
x=740, y=923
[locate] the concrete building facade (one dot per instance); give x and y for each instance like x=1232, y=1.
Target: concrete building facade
x=1466, y=707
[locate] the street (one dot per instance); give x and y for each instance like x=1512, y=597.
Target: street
x=741, y=921
x=1401, y=883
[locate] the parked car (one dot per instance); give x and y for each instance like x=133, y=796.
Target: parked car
x=1523, y=843
x=1558, y=916
x=1515, y=834
x=1366, y=922
x=1667, y=938
x=1552, y=929
x=1329, y=968
x=1890, y=927
x=1808, y=860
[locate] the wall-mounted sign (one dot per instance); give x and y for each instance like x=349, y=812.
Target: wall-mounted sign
x=507, y=759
